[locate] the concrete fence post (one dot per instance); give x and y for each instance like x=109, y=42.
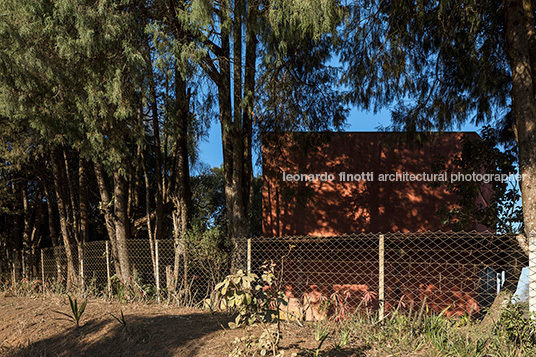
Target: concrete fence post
x=108, y=276
x=249, y=256
x=381, y=283
x=532, y=274
x=157, y=268
x=13, y=269
x=81, y=254
x=42, y=268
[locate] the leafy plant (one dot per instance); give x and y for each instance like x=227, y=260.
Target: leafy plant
x=344, y=337
x=319, y=347
x=322, y=332
x=269, y=340
x=250, y=297
x=121, y=320
x=76, y=310
x=516, y=326
x=339, y=301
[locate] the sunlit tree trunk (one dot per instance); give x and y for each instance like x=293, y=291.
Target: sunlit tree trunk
x=519, y=24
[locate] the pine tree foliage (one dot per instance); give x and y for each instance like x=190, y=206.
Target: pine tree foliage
x=444, y=63
x=441, y=63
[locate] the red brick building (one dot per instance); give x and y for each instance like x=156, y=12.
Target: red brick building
x=352, y=182
x=329, y=184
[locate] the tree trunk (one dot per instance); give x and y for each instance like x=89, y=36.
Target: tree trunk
x=517, y=14
x=158, y=158
x=121, y=225
x=523, y=102
x=179, y=250
x=236, y=122
x=183, y=185
x=240, y=182
x=105, y=207
x=74, y=211
x=26, y=231
x=227, y=129
x=148, y=214
x=52, y=230
x=84, y=211
x=183, y=199
x=16, y=235
x=249, y=101
x=61, y=197
x=35, y=234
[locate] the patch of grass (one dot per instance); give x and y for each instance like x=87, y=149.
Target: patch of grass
x=427, y=334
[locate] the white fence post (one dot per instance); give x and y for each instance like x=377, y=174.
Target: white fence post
x=532, y=274
x=381, y=285
x=249, y=256
x=81, y=263
x=109, y=284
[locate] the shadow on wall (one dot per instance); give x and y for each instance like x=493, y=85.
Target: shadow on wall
x=358, y=203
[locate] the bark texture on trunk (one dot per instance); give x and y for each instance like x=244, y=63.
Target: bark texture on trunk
x=518, y=20
x=183, y=175
x=52, y=229
x=518, y=15
x=32, y=214
x=180, y=179
x=106, y=210
x=121, y=223
x=237, y=120
x=249, y=100
x=233, y=131
x=62, y=199
x=159, y=195
x=150, y=234
x=83, y=202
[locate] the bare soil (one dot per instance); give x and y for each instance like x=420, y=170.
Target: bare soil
x=33, y=326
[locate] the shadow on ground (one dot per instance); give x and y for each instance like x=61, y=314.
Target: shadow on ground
x=335, y=352
x=163, y=335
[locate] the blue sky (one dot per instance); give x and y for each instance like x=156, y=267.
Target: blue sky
x=211, y=151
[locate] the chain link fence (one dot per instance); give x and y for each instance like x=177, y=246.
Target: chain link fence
x=461, y=271
x=190, y=274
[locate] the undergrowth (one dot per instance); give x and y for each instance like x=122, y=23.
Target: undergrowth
x=403, y=334
x=408, y=331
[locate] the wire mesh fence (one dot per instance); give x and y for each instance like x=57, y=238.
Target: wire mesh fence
x=156, y=268
x=461, y=271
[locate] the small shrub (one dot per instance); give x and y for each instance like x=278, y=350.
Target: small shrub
x=250, y=297
x=516, y=326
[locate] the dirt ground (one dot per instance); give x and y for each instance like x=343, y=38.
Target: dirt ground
x=33, y=327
